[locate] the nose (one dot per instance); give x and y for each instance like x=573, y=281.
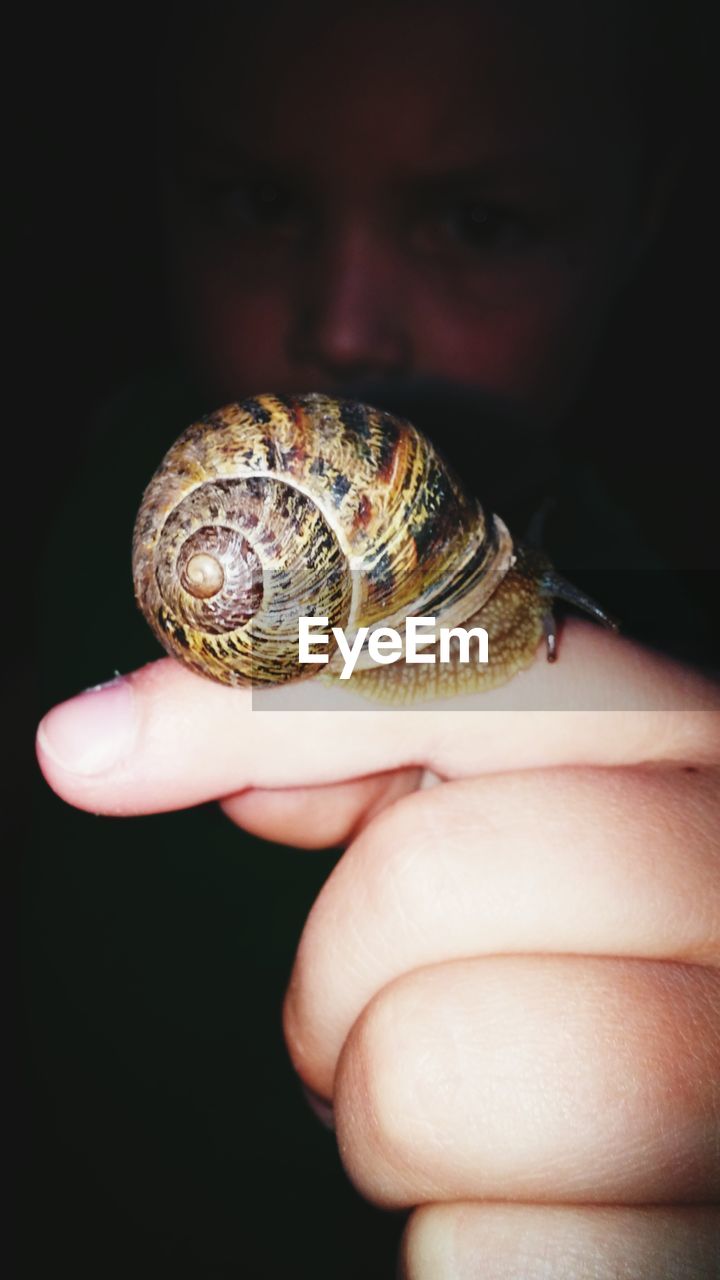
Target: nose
x=348, y=319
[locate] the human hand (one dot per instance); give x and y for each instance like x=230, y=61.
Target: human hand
x=508, y=984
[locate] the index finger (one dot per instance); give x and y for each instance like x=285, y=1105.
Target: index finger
x=164, y=738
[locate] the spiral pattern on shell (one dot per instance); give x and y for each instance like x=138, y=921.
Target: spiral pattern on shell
x=277, y=508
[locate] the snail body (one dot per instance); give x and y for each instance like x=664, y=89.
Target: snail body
x=277, y=508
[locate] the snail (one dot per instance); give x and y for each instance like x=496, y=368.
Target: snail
x=277, y=508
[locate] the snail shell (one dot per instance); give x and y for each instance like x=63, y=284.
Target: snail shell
x=277, y=508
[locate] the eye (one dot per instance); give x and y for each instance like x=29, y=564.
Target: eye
x=258, y=204
x=474, y=225
x=479, y=223
x=261, y=206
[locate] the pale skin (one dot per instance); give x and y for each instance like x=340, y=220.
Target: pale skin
x=508, y=987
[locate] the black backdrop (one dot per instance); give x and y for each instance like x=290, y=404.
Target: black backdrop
x=164, y=1133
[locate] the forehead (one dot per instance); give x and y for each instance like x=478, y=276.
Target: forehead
x=402, y=84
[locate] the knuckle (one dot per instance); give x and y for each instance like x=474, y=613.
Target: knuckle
x=382, y=1134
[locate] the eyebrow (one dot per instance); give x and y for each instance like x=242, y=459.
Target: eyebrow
x=487, y=170
x=501, y=178
x=512, y=170
x=508, y=163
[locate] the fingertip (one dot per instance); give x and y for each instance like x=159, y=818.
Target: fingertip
x=323, y=817
x=88, y=734
x=292, y=817
x=93, y=748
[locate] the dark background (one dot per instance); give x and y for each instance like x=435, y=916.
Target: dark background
x=163, y=1130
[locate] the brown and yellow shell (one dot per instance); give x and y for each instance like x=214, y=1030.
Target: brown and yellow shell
x=279, y=508
x=276, y=508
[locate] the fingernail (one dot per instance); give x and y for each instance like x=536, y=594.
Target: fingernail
x=91, y=733
x=322, y=1108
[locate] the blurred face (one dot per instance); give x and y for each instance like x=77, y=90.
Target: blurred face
x=402, y=193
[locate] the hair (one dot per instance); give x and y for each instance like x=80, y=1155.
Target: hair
x=664, y=52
